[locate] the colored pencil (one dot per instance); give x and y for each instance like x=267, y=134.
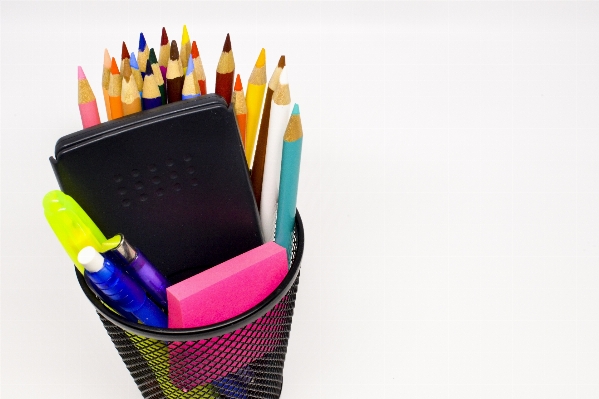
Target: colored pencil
x=164, y=54
x=198, y=68
x=240, y=108
x=143, y=53
x=288, y=182
x=114, y=91
x=190, y=85
x=105, y=82
x=151, y=93
x=260, y=153
x=136, y=73
x=174, y=75
x=225, y=72
x=185, y=49
x=88, y=108
x=124, y=56
x=158, y=75
x=255, y=98
x=279, y=118
x=130, y=97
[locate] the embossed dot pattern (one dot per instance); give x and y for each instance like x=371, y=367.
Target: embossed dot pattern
x=139, y=184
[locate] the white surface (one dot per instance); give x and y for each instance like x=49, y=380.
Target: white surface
x=449, y=190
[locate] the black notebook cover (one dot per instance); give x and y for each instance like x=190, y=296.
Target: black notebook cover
x=172, y=179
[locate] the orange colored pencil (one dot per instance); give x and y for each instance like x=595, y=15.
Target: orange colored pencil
x=240, y=108
x=198, y=68
x=225, y=72
x=114, y=91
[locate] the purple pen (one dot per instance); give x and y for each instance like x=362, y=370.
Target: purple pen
x=134, y=263
x=120, y=288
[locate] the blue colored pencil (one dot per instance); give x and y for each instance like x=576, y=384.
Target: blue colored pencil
x=290, y=167
x=143, y=53
x=136, y=73
x=190, y=85
x=151, y=97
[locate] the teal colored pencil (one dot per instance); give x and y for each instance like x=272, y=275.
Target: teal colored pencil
x=290, y=167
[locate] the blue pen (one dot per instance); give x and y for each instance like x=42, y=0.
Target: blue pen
x=120, y=288
x=108, y=300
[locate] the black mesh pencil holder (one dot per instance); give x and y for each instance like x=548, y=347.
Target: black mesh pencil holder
x=242, y=357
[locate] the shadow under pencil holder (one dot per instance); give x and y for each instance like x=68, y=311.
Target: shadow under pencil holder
x=242, y=357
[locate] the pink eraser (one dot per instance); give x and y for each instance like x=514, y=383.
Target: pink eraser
x=228, y=289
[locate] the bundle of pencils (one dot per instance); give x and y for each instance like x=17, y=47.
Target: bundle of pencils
x=269, y=124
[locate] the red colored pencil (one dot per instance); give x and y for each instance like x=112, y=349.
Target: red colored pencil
x=225, y=72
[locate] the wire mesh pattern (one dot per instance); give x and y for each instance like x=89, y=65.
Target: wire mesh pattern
x=244, y=364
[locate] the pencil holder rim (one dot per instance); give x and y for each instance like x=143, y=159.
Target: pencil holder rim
x=213, y=330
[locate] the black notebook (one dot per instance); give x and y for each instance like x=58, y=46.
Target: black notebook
x=172, y=179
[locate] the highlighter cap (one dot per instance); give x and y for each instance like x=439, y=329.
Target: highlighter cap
x=91, y=259
x=71, y=225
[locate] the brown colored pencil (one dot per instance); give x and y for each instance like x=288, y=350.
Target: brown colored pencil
x=174, y=75
x=225, y=72
x=260, y=155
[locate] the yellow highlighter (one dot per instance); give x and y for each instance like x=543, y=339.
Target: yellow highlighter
x=73, y=228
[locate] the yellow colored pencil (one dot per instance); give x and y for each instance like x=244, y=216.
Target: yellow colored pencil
x=254, y=99
x=185, y=49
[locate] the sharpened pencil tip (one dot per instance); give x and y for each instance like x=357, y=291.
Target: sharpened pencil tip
x=114, y=69
x=152, y=57
x=149, y=68
x=283, y=78
x=189, y=66
x=142, y=42
x=185, y=35
x=174, y=51
x=124, y=52
x=80, y=74
x=194, y=50
x=106, y=59
x=164, y=38
x=238, y=86
x=261, y=61
x=281, y=63
x=133, y=61
x=295, y=109
x=227, y=45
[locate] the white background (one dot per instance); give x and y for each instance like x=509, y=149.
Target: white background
x=449, y=190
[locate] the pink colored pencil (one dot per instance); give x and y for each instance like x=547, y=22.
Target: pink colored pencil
x=87, y=102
